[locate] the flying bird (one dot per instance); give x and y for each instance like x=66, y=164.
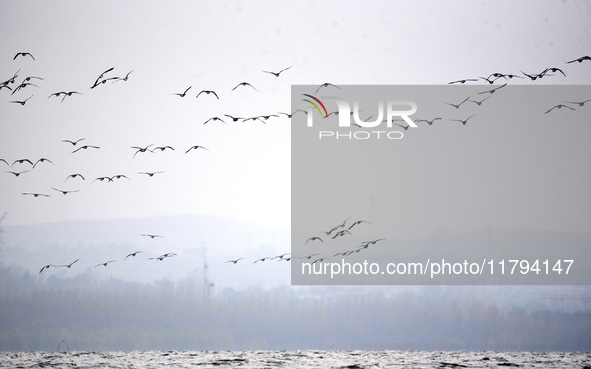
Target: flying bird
x=74, y=176
x=314, y=239
x=214, y=119
x=141, y=149
x=18, y=173
x=64, y=191
x=132, y=254
x=65, y=94
x=326, y=85
x=22, y=102
x=559, y=106
x=150, y=174
x=162, y=257
x=20, y=161
x=244, y=84
x=162, y=148
x=98, y=80
x=105, y=264
x=23, y=54
x=429, y=122
x=358, y=222
x=86, y=147
x=276, y=74
x=580, y=103
x=22, y=85
x=74, y=143
x=493, y=90
x=463, y=121
x=5, y=162
x=46, y=267
x=123, y=78
x=207, y=92
x=152, y=236
x=101, y=179
x=34, y=194
x=234, y=119
x=42, y=160
x=580, y=60
x=457, y=106
x=553, y=70
x=69, y=265
x=462, y=81
x=479, y=102
x=196, y=147
x=365, y=244
x=184, y=93
x=234, y=261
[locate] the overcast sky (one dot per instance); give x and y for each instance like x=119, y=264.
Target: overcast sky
x=245, y=173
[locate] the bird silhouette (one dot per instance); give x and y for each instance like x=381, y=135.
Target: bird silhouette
x=580, y=60
x=98, y=80
x=69, y=265
x=75, y=175
x=101, y=179
x=314, y=239
x=105, y=264
x=276, y=74
x=493, y=90
x=326, y=85
x=64, y=191
x=86, y=147
x=34, y=194
x=234, y=261
x=462, y=81
x=559, y=106
x=457, y=106
x=46, y=267
x=580, y=103
x=22, y=102
x=162, y=257
x=18, y=173
x=479, y=102
x=152, y=236
x=429, y=122
x=65, y=94
x=184, y=93
x=5, y=162
x=132, y=254
x=141, y=149
x=74, y=143
x=195, y=147
x=358, y=222
x=244, y=84
x=207, y=92
x=20, y=161
x=463, y=121
x=214, y=119
x=42, y=160
x=234, y=119
x=553, y=70
x=21, y=86
x=162, y=148
x=123, y=78
x=23, y=54
x=150, y=174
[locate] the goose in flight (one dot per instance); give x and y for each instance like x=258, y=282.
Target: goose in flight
x=23, y=54
x=133, y=254
x=184, y=93
x=69, y=265
x=276, y=74
x=244, y=84
x=22, y=102
x=64, y=191
x=234, y=261
x=85, y=147
x=74, y=143
x=105, y=264
x=207, y=92
x=196, y=147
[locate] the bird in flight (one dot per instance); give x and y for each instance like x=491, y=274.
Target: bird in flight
x=74, y=143
x=559, y=106
x=358, y=222
x=23, y=54
x=479, y=102
x=42, y=160
x=86, y=147
x=17, y=173
x=74, y=176
x=463, y=121
x=162, y=257
x=244, y=84
x=234, y=119
x=5, y=162
x=580, y=103
x=65, y=94
x=553, y=70
x=162, y=148
x=429, y=122
x=580, y=60
x=152, y=236
x=150, y=174
x=457, y=106
x=105, y=264
x=141, y=149
x=341, y=233
x=314, y=239
x=64, y=191
x=184, y=93
x=207, y=92
x=234, y=261
x=123, y=78
x=367, y=243
x=101, y=179
x=46, y=267
x=34, y=194
x=22, y=102
x=132, y=254
x=196, y=147
x=326, y=85
x=493, y=90
x=462, y=81
x=22, y=85
x=214, y=119
x=98, y=80
x=276, y=74
x=69, y=265
x=20, y=161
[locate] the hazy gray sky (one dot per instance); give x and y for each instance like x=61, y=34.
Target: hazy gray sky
x=216, y=45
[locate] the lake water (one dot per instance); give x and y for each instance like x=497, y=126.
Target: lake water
x=295, y=359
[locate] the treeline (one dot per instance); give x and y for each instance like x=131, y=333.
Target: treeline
x=113, y=315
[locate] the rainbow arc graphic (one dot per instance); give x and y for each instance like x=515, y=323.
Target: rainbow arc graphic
x=317, y=102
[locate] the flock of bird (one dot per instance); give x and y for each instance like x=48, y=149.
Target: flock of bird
x=21, y=166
